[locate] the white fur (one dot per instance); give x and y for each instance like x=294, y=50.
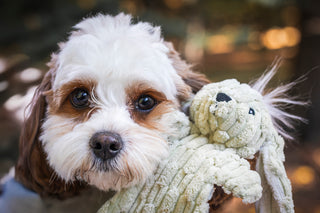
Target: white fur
x=117, y=52
x=114, y=53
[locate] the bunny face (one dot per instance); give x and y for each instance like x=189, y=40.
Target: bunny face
x=236, y=115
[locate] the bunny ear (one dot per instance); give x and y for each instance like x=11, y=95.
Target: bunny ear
x=276, y=195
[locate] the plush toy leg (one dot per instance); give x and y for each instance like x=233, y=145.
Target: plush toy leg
x=276, y=195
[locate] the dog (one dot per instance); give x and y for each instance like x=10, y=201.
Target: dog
x=100, y=115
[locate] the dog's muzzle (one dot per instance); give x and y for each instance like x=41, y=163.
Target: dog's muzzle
x=106, y=145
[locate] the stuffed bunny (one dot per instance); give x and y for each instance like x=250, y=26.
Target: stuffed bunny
x=243, y=119
x=230, y=123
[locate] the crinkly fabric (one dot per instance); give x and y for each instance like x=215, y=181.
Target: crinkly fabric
x=235, y=117
x=184, y=181
x=230, y=123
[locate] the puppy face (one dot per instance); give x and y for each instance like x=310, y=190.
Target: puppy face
x=111, y=89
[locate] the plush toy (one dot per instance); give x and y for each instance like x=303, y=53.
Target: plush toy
x=243, y=119
x=230, y=123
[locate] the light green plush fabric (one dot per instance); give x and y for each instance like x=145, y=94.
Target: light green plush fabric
x=229, y=125
x=244, y=126
x=184, y=181
x=223, y=135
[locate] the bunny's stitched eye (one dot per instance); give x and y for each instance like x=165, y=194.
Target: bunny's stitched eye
x=251, y=111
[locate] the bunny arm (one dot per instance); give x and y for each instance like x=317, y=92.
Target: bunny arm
x=184, y=182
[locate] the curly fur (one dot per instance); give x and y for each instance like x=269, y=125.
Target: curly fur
x=111, y=57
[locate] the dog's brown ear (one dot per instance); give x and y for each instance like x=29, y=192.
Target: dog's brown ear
x=193, y=79
x=32, y=168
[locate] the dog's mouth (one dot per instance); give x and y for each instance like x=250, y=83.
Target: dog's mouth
x=104, y=165
x=97, y=167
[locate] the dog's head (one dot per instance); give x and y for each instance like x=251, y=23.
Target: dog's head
x=100, y=113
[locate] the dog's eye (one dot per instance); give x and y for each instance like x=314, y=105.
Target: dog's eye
x=79, y=98
x=145, y=103
x=251, y=111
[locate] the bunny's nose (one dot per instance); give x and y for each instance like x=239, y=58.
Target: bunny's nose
x=222, y=97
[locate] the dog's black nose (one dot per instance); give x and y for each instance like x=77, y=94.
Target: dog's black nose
x=222, y=97
x=106, y=145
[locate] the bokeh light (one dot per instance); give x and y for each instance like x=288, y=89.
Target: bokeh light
x=17, y=103
x=303, y=176
x=4, y=85
x=276, y=38
x=30, y=75
x=218, y=44
x=194, y=46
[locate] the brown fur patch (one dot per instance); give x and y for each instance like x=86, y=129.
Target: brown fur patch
x=184, y=92
x=60, y=104
x=218, y=198
x=194, y=80
x=148, y=119
x=32, y=168
x=253, y=161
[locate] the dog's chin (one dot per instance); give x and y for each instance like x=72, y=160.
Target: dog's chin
x=123, y=171
x=137, y=161
x=106, y=181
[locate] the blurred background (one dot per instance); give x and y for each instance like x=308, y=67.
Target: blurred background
x=224, y=39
